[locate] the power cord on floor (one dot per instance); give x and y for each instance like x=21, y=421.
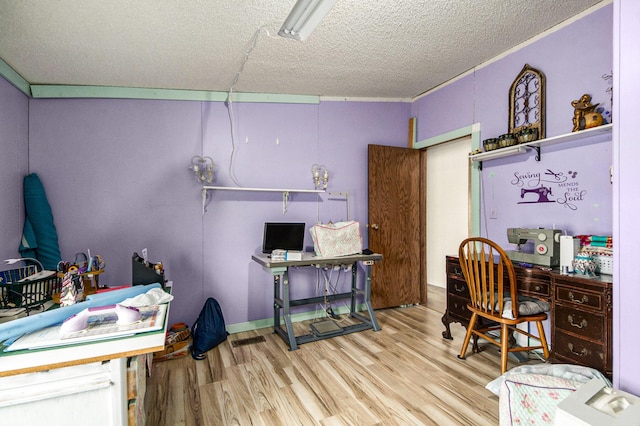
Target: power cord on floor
x=329, y=287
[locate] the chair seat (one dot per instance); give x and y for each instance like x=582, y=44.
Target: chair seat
x=526, y=306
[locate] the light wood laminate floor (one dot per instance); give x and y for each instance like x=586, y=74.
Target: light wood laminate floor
x=404, y=374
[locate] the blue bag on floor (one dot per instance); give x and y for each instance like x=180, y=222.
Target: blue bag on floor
x=209, y=330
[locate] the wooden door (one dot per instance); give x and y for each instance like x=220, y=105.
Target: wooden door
x=396, y=225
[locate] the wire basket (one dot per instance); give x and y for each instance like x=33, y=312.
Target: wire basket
x=17, y=291
x=15, y=275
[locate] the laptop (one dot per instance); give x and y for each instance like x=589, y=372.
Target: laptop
x=283, y=236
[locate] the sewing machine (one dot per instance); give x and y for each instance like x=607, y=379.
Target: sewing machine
x=546, y=244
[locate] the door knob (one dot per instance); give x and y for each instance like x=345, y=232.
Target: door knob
x=373, y=226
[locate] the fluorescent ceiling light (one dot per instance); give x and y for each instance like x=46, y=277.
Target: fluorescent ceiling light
x=305, y=17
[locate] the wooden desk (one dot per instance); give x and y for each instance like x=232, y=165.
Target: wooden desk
x=282, y=301
x=581, y=316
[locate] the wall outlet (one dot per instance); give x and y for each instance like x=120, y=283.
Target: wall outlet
x=493, y=214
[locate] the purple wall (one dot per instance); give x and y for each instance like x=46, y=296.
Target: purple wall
x=335, y=134
x=573, y=65
x=626, y=178
x=14, y=136
x=117, y=180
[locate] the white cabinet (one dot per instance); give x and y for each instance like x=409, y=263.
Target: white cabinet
x=87, y=394
x=78, y=384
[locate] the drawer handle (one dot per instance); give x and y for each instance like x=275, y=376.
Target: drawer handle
x=583, y=352
x=457, y=288
x=584, y=299
x=583, y=323
x=537, y=288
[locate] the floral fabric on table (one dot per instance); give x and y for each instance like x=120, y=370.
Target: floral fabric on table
x=531, y=399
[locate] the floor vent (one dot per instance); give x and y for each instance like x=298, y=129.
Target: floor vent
x=248, y=341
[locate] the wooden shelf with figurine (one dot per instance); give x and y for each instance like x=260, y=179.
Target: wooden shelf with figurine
x=524, y=147
x=527, y=120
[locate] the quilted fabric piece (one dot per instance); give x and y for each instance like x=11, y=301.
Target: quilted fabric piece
x=531, y=399
x=577, y=373
x=338, y=239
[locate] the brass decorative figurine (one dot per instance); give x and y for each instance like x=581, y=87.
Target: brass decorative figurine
x=585, y=115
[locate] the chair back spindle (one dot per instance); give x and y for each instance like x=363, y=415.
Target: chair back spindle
x=489, y=274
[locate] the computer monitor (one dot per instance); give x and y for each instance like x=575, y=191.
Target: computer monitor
x=283, y=236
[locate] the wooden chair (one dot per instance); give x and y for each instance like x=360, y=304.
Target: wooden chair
x=491, y=280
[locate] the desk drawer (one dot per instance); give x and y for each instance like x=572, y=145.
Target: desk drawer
x=457, y=306
x=534, y=281
x=533, y=287
x=583, y=323
x=579, y=351
x=454, y=269
x=458, y=288
x=577, y=297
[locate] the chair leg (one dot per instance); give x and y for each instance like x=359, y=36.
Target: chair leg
x=474, y=345
x=543, y=339
x=504, y=348
x=467, y=337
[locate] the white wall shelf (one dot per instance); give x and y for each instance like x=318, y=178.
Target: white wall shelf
x=499, y=153
x=285, y=193
x=536, y=145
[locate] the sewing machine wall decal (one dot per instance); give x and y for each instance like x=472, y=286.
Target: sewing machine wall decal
x=550, y=186
x=542, y=192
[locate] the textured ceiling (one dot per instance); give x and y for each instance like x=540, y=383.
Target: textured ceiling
x=363, y=48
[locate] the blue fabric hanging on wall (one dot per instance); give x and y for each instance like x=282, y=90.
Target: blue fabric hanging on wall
x=39, y=236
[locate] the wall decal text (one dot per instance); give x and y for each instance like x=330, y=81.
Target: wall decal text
x=549, y=187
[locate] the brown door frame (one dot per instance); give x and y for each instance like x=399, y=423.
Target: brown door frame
x=423, y=226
